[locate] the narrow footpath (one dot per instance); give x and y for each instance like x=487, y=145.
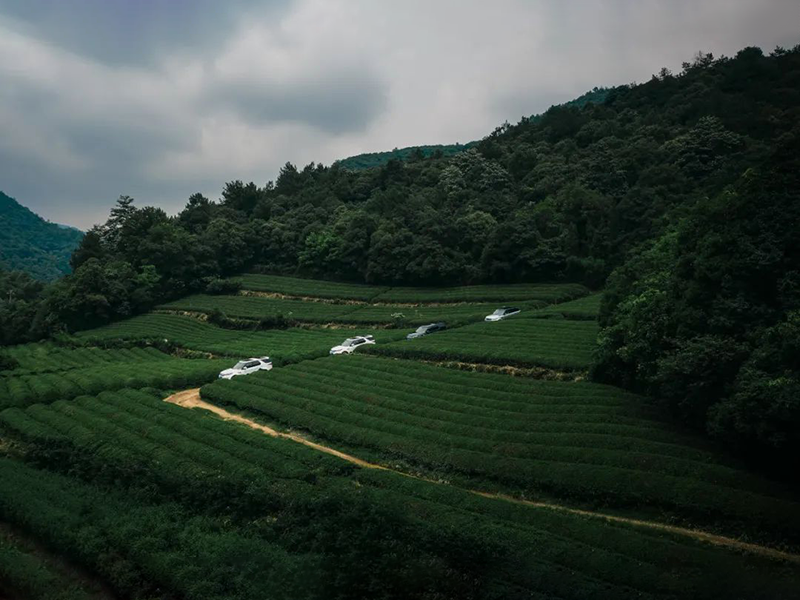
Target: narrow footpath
x=191, y=399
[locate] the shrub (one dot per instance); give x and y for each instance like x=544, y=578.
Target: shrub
x=223, y=286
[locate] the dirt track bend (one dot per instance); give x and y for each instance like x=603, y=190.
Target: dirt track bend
x=191, y=399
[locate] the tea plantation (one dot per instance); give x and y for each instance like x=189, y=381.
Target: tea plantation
x=454, y=483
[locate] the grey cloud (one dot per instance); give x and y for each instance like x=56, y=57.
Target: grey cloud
x=162, y=98
x=347, y=101
x=134, y=31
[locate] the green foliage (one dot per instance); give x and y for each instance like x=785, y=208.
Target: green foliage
x=20, y=298
x=556, y=344
x=704, y=317
x=541, y=292
x=255, y=307
x=48, y=357
x=293, y=286
x=132, y=368
x=413, y=153
x=166, y=502
x=282, y=345
x=574, y=440
x=27, y=573
x=223, y=286
x=30, y=244
x=220, y=309
x=587, y=308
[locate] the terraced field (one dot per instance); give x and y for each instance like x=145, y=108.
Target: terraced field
x=587, y=308
x=47, y=357
x=255, y=307
x=161, y=501
x=449, y=539
x=26, y=571
x=452, y=314
x=546, y=293
x=577, y=441
x=294, y=286
x=282, y=345
x=148, y=368
x=517, y=341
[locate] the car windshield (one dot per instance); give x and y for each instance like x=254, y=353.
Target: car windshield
x=422, y=329
x=349, y=342
x=499, y=311
x=241, y=364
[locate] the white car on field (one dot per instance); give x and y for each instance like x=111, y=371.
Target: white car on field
x=245, y=367
x=502, y=313
x=350, y=344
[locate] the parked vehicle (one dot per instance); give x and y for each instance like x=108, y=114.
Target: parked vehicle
x=426, y=329
x=245, y=367
x=350, y=344
x=502, y=313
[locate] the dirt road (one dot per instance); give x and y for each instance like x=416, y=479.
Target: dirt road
x=191, y=399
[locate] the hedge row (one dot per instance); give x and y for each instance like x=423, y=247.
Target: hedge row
x=48, y=358
x=586, y=308
x=167, y=373
x=557, y=344
x=255, y=307
x=519, y=292
x=25, y=573
x=519, y=450
x=283, y=346
x=294, y=286
x=144, y=550
x=335, y=531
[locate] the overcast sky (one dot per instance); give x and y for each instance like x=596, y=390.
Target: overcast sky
x=158, y=99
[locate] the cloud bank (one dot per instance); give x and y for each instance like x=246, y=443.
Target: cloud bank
x=161, y=98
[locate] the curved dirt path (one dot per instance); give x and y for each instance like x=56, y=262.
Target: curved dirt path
x=191, y=399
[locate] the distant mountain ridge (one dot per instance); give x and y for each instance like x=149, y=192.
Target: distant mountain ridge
x=369, y=160
x=376, y=159
x=31, y=244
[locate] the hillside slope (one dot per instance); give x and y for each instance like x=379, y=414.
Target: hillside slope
x=31, y=244
x=368, y=160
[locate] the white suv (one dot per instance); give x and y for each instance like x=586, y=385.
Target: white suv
x=245, y=367
x=502, y=313
x=350, y=344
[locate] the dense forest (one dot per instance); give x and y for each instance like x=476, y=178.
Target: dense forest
x=679, y=195
x=31, y=244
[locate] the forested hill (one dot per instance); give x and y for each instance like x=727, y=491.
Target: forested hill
x=29, y=243
x=376, y=159
x=680, y=195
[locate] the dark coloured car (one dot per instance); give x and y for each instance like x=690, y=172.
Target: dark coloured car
x=426, y=329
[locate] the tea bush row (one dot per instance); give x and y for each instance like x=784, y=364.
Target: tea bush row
x=522, y=450
x=173, y=373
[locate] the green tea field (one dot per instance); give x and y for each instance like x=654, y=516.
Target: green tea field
x=321, y=477
x=518, y=341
